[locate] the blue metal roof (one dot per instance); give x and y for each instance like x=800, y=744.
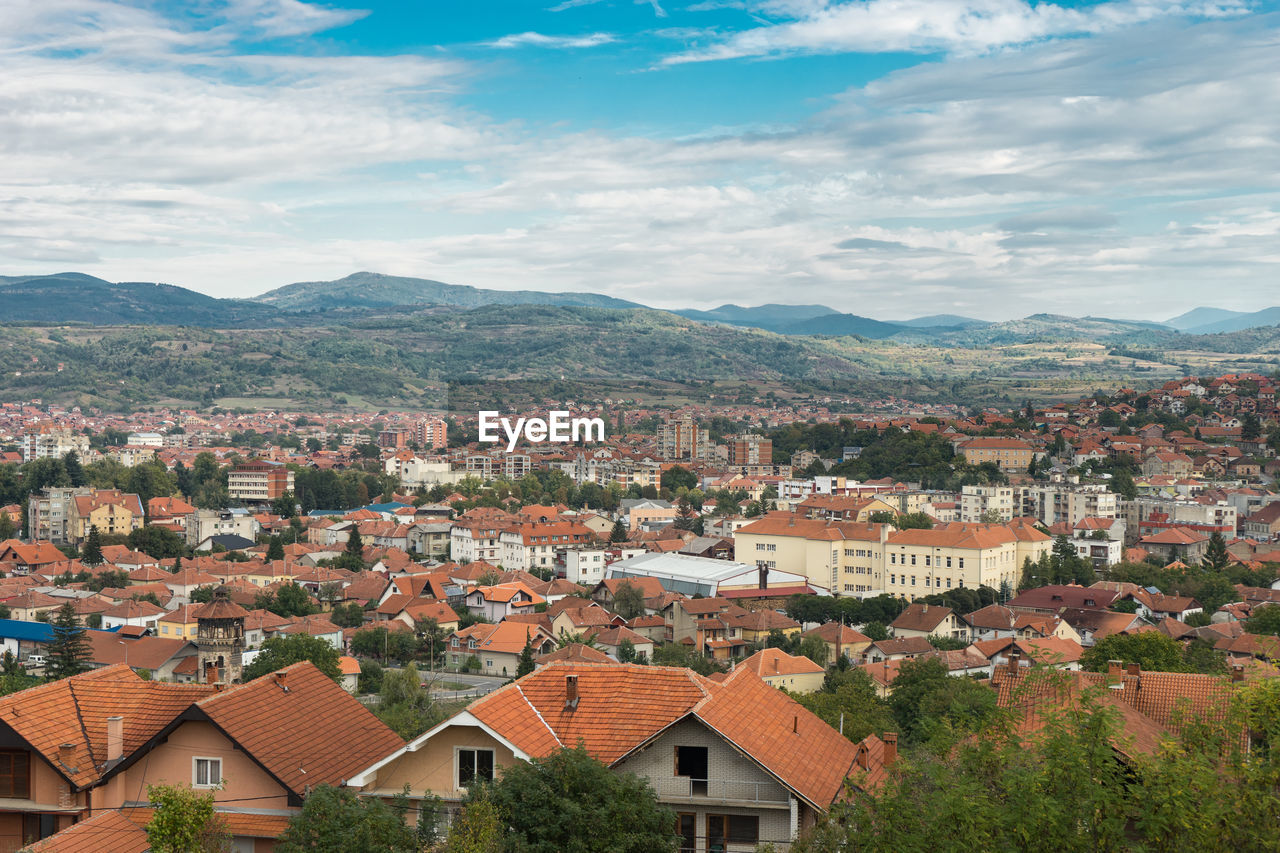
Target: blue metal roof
x=33, y=632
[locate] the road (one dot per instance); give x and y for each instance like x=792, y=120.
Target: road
x=480, y=685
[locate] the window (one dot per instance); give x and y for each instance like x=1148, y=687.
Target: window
x=206, y=772
x=731, y=829
x=692, y=761
x=913, y=559
x=15, y=774
x=474, y=764
x=893, y=578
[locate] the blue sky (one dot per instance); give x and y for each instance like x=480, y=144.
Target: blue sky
x=885, y=157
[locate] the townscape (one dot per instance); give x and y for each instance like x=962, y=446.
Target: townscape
x=769, y=617
x=639, y=426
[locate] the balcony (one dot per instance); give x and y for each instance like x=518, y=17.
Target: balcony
x=684, y=788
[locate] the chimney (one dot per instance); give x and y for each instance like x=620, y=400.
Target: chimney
x=279, y=676
x=763, y=574
x=1237, y=673
x=115, y=738
x=1133, y=669
x=570, y=692
x=67, y=755
x=1114, y=672
x=890, y=748
x=700, y=641
x=1013, y=662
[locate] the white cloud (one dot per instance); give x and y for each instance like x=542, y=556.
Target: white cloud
x=1038, y=179
x=928, y=26
x=531, y=39
x=275, y=18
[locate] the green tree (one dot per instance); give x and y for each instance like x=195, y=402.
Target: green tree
x=159, y=542
x=480, y=828
x=92, y=555
x=279, y=652
x=1216, y=558
x=75, y=471
x=628, y=600
x=816, y=650
x=339, y=820
x=355, y=545
x=848, y=702
x=185, y=821
x=1149, y=649
x=7, y=528
x=678, y=477
x=275, y=549
x=1264, y=620
x=914, y=521
x=68, y=652
x=928, y=702
x=619, y=533
x=404, y=705
x=568, y=802
x=526, y=665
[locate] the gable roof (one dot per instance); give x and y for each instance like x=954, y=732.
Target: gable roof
x=621, y=707
x=75, y=710
x=772, y=661
x=300, y=726
x=920, y=617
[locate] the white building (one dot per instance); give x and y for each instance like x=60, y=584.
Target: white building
x=986, y=503
x=694, y=575
x=53, y=442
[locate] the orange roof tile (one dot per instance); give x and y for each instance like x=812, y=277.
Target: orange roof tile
x=105, y=831
x=292, y=732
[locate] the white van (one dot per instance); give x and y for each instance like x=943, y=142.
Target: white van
x=35, y=660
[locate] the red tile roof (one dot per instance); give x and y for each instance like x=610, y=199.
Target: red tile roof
x=301, y=727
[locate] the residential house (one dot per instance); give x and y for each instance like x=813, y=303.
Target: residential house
x=904, y=648
x=923, y=620
x=739, y=762
x=498, y=601
x=113, y=512
x=841, y=640
x=92, y=744
x=776, y=668
x=1176, y=543
x=498, y=647
x=139, y=614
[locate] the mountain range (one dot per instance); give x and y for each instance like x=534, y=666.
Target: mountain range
x=79, y=298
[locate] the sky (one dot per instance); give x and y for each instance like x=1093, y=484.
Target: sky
x=890, y=158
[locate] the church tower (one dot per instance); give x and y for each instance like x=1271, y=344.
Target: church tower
x=219, y=639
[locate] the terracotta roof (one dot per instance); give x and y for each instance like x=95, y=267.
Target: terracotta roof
x=920, y=617
x=291, y=721
x=105, y=831
x=141, y=652
x=1058, y=596
x=621, y=707
x=575, y=653
x=75, y=710
x=763, y=620
x=1174, y=536
x=993, y=617
x=903, y=646
x=1051, y=650
x=767, y=662
x=827, y=632
x=650, y=587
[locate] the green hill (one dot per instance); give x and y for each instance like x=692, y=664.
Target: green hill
x=374, y=290
x=79, y=298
